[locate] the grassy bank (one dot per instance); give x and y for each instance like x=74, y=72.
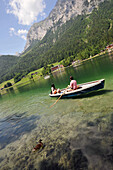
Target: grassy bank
x=36, y=74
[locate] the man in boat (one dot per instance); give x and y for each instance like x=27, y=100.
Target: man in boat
x=73, y=84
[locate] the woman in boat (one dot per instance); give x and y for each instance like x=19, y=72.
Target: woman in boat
x=73, y=83
x=54, y=90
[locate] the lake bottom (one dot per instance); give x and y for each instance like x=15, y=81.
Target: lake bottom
x=76, y=133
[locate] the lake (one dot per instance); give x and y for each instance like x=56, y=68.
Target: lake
x=76, y=133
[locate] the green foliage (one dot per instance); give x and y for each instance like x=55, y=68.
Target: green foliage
x=19, y=76
x=5, y=86
x=46, y=70
x=68, y=61
x=6, y=63
x=31, y=76
x=8, y=84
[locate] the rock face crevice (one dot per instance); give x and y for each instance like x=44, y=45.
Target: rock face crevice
x=63, y=11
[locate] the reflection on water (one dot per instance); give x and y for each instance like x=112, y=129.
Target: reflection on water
x=77, y=133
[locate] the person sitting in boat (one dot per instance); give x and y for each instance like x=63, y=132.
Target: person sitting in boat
x=73, y=84
x=54, y=90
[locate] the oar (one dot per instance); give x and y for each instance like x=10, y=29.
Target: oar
x=59, y=97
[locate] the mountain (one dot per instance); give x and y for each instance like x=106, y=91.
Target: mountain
x=63, y=11
x=77, y=38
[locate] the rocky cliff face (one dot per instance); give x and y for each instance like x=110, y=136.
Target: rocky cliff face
x=62, y=12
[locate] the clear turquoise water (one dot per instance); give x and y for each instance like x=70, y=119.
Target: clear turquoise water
x=77, y=133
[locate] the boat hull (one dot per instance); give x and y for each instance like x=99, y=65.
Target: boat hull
x=83, y=89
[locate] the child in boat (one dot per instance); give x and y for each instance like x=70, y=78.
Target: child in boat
x=54, y=90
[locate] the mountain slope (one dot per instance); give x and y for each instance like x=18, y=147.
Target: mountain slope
x=6, y=63
x=63, y=11
x=83, y=36
x=88, y=35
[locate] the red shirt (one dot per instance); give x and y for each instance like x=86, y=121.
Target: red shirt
x=73, y=84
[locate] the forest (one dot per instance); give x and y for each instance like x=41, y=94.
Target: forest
x=79, y=38
x=6, y=63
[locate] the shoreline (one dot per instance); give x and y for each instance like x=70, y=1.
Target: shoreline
x=39, y=77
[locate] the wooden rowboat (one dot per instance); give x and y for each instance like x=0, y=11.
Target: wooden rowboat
x=82, y=89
